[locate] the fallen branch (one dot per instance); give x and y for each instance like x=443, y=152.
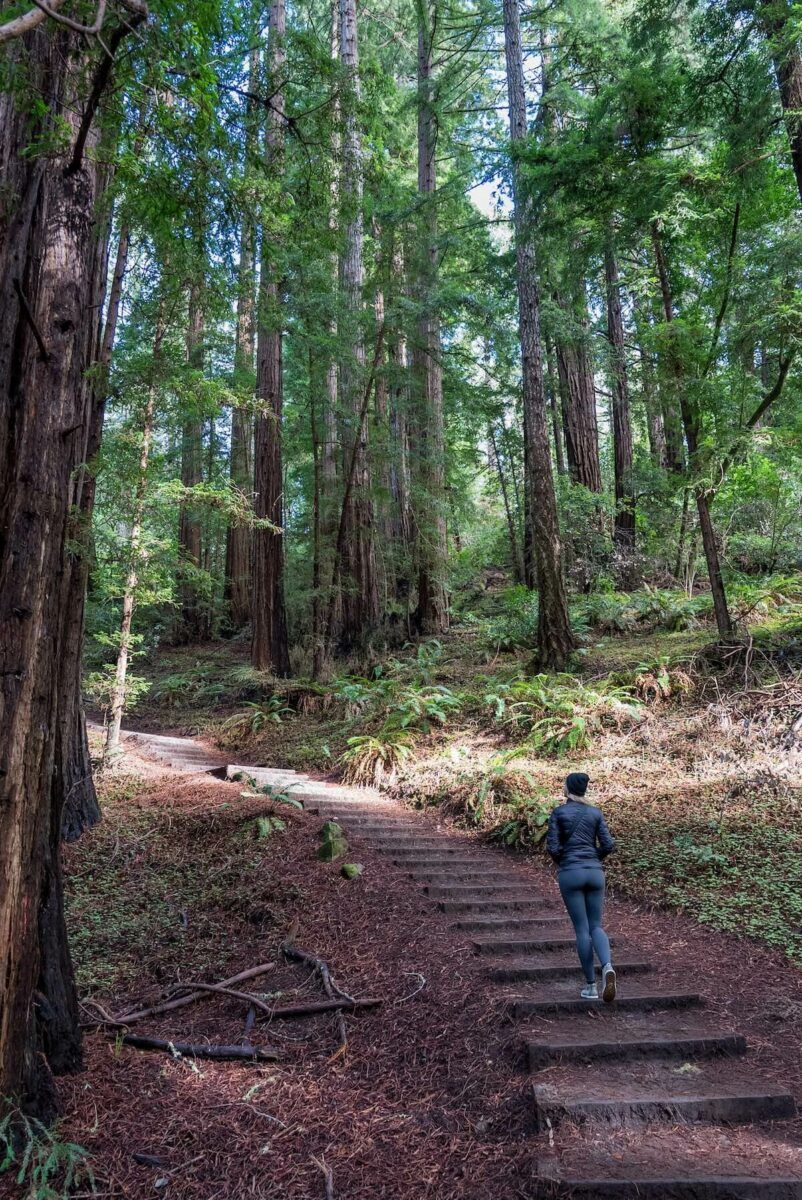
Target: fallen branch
x=295, y=953
x=309, y=1010
x=190, y=1050
x=197, y=993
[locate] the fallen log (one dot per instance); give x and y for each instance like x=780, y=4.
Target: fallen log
x=191, y=1050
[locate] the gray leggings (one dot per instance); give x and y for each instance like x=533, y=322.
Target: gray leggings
x=582, y=889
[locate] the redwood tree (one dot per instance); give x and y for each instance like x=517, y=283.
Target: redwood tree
x=555, y=640
x=432, y=613
x=52, y=273
x=269, y=648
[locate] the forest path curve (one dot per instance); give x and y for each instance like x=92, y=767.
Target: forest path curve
x=652, y=1097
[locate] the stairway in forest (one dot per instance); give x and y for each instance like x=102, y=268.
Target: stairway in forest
x=633, y=1078
x=653, y=1062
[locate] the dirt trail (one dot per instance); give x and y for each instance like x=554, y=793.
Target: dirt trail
x=660, y=1095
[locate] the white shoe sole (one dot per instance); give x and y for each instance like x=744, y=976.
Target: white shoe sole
x=608, y=995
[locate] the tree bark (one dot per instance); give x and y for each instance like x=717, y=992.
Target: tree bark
x=658, y=450
x=360, y=596
x=400, y=477
x=554, y=410
x=430, y=520
x=73, y=767
x=52, y=255
x=624, y=527
x=270, y=648
x=690, y=421
x=237, y=593
x=555, y=640
x=515, y=550
x=780, y=27
x=578, y=393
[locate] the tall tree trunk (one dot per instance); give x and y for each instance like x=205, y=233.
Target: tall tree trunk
x=52, y=257
x=237, y=592
x=515, y=550
x=658, y=450
x=578, y=393
x=190, y=627
x=780, y=24
x=690, y=421
x=327, y=479
x=112, y=747
x=381, y=441
x=624, y=528
x=270, y=648
x=554, y=409
x=360, y=597
x=555, y=640
x=430, y=520
x=73, y=767
x=400, y=478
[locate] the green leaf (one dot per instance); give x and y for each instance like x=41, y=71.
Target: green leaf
x=351, y=870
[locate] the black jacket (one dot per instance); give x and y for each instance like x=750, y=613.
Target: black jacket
x=578, y=835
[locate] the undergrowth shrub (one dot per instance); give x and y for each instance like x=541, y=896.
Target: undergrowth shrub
x=44, y=1166
x=558, y=713
x=374, y=759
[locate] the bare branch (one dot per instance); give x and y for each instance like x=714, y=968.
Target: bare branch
x=94, y=28
x=28, y=21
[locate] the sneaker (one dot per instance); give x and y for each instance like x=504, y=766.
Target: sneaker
x=589, y=992
x=608, y=978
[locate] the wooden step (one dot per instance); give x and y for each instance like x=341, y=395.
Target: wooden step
x=588, y=1048
x=668, y=1187
x=542, y=1004
x=540, y=972
x=666, y=1100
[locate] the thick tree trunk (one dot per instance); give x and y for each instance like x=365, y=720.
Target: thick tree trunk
x=270, y=648
x=51, y=282
x=555, y=641
x=326, y=493
x=237, y=593
x=430, y=520
x=191, y=624
x=624, y=528
x=360, y=596
x=780, y=25
x=578, y=393
x=690, y=421
x=73, y=767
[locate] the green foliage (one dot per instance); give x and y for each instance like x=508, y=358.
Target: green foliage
x=257, y=715
x=374, y=759
x=526, y=824
x=733, y=866
x=351, y=870
x=264, y=827
x=516, y=627
x=45, y=1167
x=558, y=713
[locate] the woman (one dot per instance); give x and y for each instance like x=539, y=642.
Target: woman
x=579, y=840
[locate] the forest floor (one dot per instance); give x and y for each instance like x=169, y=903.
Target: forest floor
x=187, y=879
x=430, y=1098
